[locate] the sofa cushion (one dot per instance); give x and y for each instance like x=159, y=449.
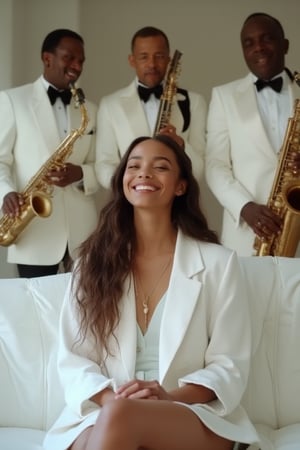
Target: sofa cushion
x=287, y=347
x=21, y=439
x=285, y=438
x=273, y=391
x=30, y=392
x=263, y=286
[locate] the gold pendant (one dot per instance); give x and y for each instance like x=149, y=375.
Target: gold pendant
x=145, y=308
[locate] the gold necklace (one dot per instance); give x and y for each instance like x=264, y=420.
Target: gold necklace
x=146, y=298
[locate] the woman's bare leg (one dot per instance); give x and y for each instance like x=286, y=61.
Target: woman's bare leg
x=149, y=424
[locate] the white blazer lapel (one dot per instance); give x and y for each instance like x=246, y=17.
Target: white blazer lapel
x=182, y=296
x=247, y=107
x=176, y=116
x=124, y=344
x=131, y=105
x=44, y=117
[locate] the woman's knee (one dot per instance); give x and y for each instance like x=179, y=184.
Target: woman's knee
x=118, y=411
x=80, y=442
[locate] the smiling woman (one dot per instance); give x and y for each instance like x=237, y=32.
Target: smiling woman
x=146, y=287
x=152, y=168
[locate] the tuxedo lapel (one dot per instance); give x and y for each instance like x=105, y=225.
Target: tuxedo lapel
x=44, y=117
x=182, y=297
x=183, y=104
x=247, y=107
x=132, y=108
x=176, y=114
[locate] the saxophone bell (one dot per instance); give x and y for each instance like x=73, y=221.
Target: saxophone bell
x=37, y=204
x=40, y=204
x=287, y=245
x=292, y=196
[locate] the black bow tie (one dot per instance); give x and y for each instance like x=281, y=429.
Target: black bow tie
x=64, y=95
x=275, y=84
x=144, y=93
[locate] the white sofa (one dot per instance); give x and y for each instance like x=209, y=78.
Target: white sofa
x=31, y=396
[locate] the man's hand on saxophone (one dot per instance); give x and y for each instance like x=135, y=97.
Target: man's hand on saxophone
x=170, y=131
x=65, y=175
x=61, y=177
x=12, y=203
x=263, y=221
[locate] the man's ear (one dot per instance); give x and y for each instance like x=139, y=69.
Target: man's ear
x=286, y=45
x=46, y=56
x=131, y=60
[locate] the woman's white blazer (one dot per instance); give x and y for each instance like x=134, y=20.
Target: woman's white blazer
x=204, y=339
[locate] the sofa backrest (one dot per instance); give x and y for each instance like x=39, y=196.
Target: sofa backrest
x=273, y=391
x=30, y=393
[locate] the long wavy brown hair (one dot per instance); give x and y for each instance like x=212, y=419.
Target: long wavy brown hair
x=106, y=257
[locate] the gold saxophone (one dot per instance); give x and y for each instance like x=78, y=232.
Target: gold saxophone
x=170, y=89
x=284, y=199
x=37, y=193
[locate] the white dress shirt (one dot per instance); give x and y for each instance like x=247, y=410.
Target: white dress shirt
x=60, y=112
x=151, y=108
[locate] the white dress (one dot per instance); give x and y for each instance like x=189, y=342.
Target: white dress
x=147, y=346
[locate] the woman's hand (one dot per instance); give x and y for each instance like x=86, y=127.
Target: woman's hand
x=139, y=389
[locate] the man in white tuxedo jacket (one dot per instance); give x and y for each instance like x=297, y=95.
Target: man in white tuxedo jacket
x=245, y=131
x=124, y=116
x=31, y=130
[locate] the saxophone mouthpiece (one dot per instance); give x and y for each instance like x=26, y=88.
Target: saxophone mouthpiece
x=72, y=87
x=80, y=95
x=77, y=94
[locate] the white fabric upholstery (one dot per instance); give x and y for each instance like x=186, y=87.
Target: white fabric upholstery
x=273, y=392
x=31, y=396
x=30, y=393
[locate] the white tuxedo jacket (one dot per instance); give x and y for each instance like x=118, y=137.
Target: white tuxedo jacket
x=204, y=339
x=121, y=119
x=240, y=159
x=28, y=137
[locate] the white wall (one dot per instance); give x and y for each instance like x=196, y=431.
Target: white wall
x=205, y=31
